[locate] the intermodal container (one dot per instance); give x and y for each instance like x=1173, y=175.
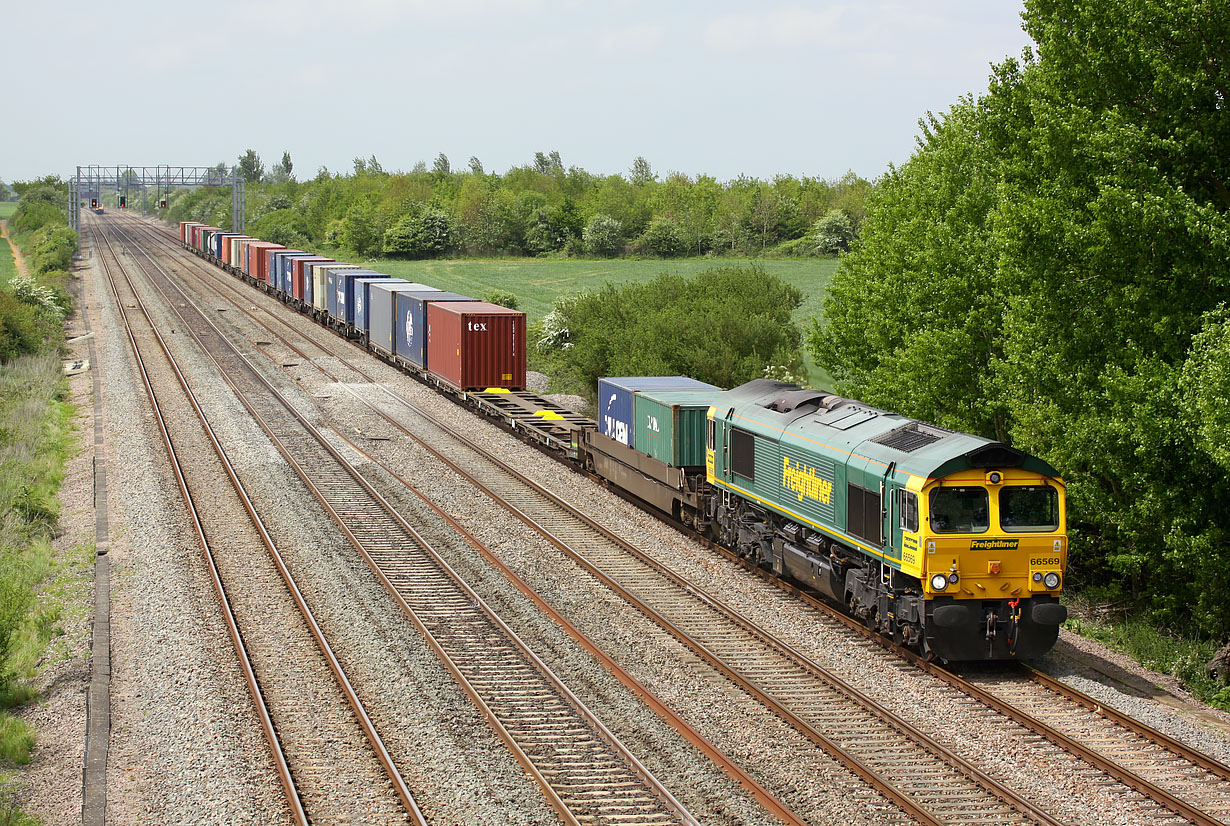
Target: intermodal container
x=221, y=244
x=235, y=257
x=280, y=267
x=473, y=345
x=616, y=416
x=671, y=425
x=344, y=284
x=286, y=275
x=410, y=322
x=359, y=289
x=183, y=229
x=301, y=278
x=382, y=309
x=264, y=265
x=322, y=284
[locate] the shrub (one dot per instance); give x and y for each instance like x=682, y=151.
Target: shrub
x=662, y=239
x=603, y=236
x=502, y=297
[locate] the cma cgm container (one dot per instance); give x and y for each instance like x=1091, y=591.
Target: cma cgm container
x=344, y=282
x=382, y=311
x=410, y=323
x=615, y=409
x=323, y=294
x=671, y=425
x=280, y=267
x=473, y=344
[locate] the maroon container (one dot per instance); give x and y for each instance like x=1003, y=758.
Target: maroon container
x=298, y=273
x=474, y=345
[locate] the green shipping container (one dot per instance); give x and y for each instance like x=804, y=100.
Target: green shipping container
x=671, y=425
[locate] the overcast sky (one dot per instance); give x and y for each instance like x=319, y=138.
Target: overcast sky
x=722, y=88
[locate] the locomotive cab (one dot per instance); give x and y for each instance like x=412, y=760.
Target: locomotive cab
x=992, y=550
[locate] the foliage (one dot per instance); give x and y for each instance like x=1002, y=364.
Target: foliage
x=662, y=239
x=603, y=236
x=724, y=326
x=427, y=233
x=251, y=167
x=1041, y=271
x=51, y=248
x=834, y=233
x=281, y=226
x=502, y=297
x=535, y=209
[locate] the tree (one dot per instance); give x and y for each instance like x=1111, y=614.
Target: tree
x=282, y=171
x=426, y=234
x=603, y=236
x=476, y=166
x=724, y=326
x=641, y=172
x=1047, y=268
x=359, y=228
x=663, y=239
x=834, y=233
x=251, y=168
x=441, y=164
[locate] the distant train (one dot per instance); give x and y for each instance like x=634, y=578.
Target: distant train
x=949, y=543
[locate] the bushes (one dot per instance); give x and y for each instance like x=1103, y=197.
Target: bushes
x=724, y=326
x=603, y=236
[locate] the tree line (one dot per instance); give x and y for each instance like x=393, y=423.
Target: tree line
x=540, y=208
x=1049, y=268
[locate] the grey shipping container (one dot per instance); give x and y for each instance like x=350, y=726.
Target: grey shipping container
x=382, y=312
x=671, y=425
x=615, y=413
x=410, y=323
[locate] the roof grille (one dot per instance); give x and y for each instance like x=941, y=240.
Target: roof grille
x=911, y=436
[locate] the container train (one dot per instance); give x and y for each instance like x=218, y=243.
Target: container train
x=951, y=544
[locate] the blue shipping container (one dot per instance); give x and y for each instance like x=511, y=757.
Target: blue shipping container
x=615, y=413
x=345, y=291
x=286, y=269
x=410, y=327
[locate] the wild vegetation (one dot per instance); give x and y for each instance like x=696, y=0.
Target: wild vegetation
x=1049, y=268
x=35, y=427
x=738, y=323
x=538, y=209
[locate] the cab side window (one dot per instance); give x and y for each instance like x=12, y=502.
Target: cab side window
x=909, y=511
x=743, y=453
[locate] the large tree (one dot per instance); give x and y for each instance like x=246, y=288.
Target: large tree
x=251, y=167
x=1037, y=272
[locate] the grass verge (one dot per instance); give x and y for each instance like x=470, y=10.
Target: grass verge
x=36, y=438
x=1132, y=634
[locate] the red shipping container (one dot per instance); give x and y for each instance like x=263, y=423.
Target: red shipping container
x=183, y=229
x=474, y=345
x=296, y=274
x=265, y=266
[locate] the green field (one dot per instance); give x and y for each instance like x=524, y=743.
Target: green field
x=7, y=208
x=538, y=282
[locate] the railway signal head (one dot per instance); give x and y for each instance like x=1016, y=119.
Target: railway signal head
x=93, y=203
x=123, y=202
x=162, y=204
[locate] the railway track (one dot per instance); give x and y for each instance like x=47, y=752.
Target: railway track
x=927, y=781
x=321, y=741
x=586, y=774
x=1187, y=784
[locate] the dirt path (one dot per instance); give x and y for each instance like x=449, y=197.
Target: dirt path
x=21, y=262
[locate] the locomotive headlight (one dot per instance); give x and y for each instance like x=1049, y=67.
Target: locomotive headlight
x=1051, y=580
x=939, y=582
x=953, y=579
x=1037, y=576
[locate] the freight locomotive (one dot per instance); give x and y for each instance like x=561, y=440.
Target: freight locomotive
x=949, y=543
